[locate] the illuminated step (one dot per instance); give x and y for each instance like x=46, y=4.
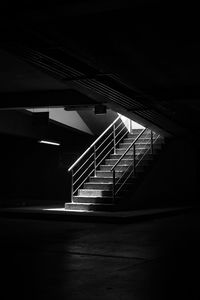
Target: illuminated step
x=112, y=161
x=89, y=207
x=109, y=167
x=108, y=174
x=94, y=192
x=98, y=186
x=103, y=179
x=93, y=200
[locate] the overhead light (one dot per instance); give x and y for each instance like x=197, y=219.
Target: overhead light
x=48, y=142
x=100, y=109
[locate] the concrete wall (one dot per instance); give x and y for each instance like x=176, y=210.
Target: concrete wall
x=33, y=173
x=97, y=123
x=69, y=118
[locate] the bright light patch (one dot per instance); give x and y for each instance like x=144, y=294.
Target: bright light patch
x=49, y=142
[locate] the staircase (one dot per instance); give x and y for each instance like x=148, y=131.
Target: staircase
x=110, y=170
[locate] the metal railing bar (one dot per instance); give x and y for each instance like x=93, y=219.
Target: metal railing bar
x=104, y=149
x=121, y=123
x=121, y=131
x=83, y=173
x=136, y=155
x=104, y=141
x=146, y=152
x=83, y=164
x=131, y=145
x=109, y=136
x=129, y=174
x=94, y=143
x=121, y=137
x=104, y=157
x=143, y=153
x=82, y=182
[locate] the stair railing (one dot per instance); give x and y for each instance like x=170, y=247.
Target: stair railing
x=119, y=182
x=88, y=162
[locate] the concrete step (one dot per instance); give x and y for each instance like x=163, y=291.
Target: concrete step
x=135, y=131
x=95, y=191
x=117, y=156
x=109, y=167
x=108, y=174
x=98, y=186
x=104, y=179
x=138, y=151
x=141, y=139
x=130, y=152
x=137, y=144
x=123, y=167
x=112, y=161
x=89, y=207
x=118, y=174
x=101, y=179
x=93, y=200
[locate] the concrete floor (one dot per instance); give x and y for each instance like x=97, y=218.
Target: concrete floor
x=154, y=259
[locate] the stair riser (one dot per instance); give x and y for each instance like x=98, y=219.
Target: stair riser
x=130, y=152
x=108, y=168
x=137, y=152
x=108, y=174
x=144, y=140
x=93, y=200
x=125, y=161
x=118, y=174
x=89, y=207
x=123, y=168
x=139, y=146
x=98, y=186
x=94, y=193
x=100, y=179
x=135, y=131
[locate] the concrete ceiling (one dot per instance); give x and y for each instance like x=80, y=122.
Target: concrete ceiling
x=141, y=56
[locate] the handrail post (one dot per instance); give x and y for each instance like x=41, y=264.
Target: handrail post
x=113, y=186
x=134, y=158
x=72, y=185
x=151, y=142
x=95, y=163
x=114, y=139
x=130, y=125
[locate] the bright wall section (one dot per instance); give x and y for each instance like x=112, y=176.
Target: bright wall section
x=130, y=124
x=69, y=118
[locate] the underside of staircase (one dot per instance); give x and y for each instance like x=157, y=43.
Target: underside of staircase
x=96, y=193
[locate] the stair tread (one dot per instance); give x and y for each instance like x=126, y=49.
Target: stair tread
x=86, y=204
x=106, y=197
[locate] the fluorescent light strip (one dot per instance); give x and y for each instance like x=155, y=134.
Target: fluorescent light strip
x=48, y=142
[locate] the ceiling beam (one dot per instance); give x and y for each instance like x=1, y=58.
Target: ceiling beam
x=44, y=99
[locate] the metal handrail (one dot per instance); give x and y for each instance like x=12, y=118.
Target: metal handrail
x=131, y=166
x=131, y=145
x=83, y=167
x=93, y=144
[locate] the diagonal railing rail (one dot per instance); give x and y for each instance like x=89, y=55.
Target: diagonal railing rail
x=119, y=182
x=89, y=161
